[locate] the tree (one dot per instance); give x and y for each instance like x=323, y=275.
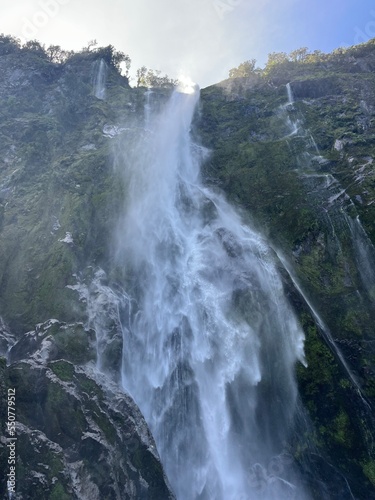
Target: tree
x=316, y=56
x=36, y=47
x=299, y=55
x=91, y=44
x=9, y=44
x=141, y=76
x=276, y=58
x=246, y=68
x=120, y=57
x=153, y=78
x=114, y=57
x=276, y=61
x=56, y=55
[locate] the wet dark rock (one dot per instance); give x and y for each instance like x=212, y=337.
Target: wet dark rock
x=316, y=88
x=78, y=436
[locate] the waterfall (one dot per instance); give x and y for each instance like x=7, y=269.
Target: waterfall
x=364, y=253
x=100, y=79
x=323, y=328
x=147, y=107
x=290, y=94
x=332, y=197
x=345, y=235
x=293, y=124
x=210, y=340
x=103, y=306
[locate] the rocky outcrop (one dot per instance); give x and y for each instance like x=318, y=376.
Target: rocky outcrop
x=78, y=436
x=316, y=88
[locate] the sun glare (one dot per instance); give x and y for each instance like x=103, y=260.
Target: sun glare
x=186, y=85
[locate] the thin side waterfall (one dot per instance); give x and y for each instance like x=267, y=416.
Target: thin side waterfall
x=290, y=94
x=147, y=109
x=324, y=328
x=334, y=199
x=295, y=129
x=210, y=340
x=325, y=191
x=365, y=255
x=100, y=79
x=103, y=306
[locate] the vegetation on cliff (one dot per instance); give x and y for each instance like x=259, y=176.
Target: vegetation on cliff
x=303, y=174
x=302, y=169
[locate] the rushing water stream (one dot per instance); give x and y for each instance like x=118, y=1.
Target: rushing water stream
x=210, y=341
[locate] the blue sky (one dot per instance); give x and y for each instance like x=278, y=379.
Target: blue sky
x=200, y=38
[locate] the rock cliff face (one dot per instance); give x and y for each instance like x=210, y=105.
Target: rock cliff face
x=301, y=170
x=296, y=149
x=78, y=435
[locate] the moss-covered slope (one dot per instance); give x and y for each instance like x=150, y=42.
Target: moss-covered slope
x=77, y=435
x=304, y=173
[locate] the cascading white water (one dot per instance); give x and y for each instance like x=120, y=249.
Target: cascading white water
x=100, y=79
x=103, y=305
x=365, y=255
x=210, y=348
x=326, y=191
x=295, y=128
x=333, y=197
x=290, y=94
x=324, y=328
